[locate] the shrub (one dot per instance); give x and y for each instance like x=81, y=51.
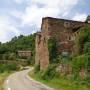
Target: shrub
x=11, y=67
x=2, y=68
x=5, y=56
x=49, y=73
x=1, y=57
x=37, y=68
x=30, y=60
x=83, y=40
x=86, y=81
x=12, y=56
x=86, y=48
x=79, y=62
x=8, y=67
x=52, y=50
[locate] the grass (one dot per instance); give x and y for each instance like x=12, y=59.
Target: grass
x=2, y=78
x=60, y=83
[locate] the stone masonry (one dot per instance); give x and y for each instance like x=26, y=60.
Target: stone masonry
x=64, y=32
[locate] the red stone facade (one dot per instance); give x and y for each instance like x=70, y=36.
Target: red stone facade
x=64, y=32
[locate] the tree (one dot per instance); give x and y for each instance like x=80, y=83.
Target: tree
x=0, y=43
x=9, y=49
x=83, y=40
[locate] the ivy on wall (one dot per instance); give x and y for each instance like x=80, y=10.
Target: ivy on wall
x=52, y=50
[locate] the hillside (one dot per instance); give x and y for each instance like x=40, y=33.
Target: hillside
x=18, y=43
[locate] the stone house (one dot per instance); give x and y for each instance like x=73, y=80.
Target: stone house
x=24, y=54
x=64, y=32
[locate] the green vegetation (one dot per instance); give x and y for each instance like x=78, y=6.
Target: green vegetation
x=8, y=50
x=36, y=68
x=59, y=82
x=5, y=70
x=81, y=61
x=49, y=73
x=83, y=40
x=18, y=43
x=52, y=50
x=2, y=78
x=8, y=67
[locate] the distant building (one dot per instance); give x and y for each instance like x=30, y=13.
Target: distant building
x=24, y=54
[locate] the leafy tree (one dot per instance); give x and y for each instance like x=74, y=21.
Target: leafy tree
x=86, y=48
x=83, y=40
x=9, y=49
x=0, y=43
x=18, y=43
x=83, y=44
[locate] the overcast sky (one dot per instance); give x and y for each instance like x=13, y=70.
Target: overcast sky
x=24, y=16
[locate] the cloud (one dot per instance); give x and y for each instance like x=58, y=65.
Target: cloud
x=37, y=9
x=27, y=15
x=80, y=17
x=7, y=29
x=19, y=1
x=16, y=13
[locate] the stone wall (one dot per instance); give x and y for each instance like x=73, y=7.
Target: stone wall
x=42, y=54
x=66, y=69
x=62, y=30
x=37, y=48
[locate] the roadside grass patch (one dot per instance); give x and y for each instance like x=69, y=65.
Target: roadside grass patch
x=59, y=83
x=5, y=71
x=2, y=78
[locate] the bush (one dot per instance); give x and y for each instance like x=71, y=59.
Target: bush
x=83, y=40
x=49, y=73
x=30, y=60
x=37, y=68
x=86, y=81
x=52, y=50
x=12, y=56
x=2, y=68
x=11, y=67
x=86, y=48
x=5, y=56
x=8, y=67
x=80, y=62
x=1, y=57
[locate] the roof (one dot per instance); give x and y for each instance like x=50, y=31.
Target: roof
x=52, y=18
x=24, y=51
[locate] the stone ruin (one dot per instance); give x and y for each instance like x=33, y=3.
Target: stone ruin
x=64, y=32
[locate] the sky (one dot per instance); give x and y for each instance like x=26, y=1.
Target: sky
x=25, y=16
